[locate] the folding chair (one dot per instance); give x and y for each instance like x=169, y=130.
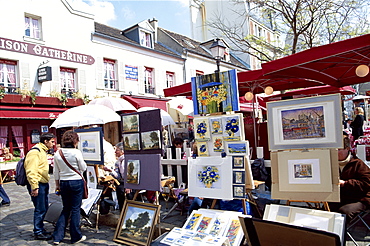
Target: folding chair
x=359, y=217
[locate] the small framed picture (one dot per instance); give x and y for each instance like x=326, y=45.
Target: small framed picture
x=239, y=191
x=130, y=123
x=131, y=141
x=203, y=148
x=239, y=177
x=44, y=129
x=238, y=161
x=238, y=148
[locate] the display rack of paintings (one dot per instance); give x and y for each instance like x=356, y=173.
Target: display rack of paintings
x=217, y=92
x=142, y=132
x=207, y=227
x=91, y=145
x=136, y=223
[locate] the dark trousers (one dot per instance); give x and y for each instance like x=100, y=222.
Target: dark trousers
x=71, y=192
x=3, y=195
x=350, y=209
x=41, y=204
x=121, y=196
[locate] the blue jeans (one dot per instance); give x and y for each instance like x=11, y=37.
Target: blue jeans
x=71, y=192
x=3, y=195
x=41, y=204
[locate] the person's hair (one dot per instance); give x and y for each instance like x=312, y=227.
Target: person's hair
x=346, y=143
x=360, y=110
x=178, y=141
x=46, y=137
x=119, y=146
x=69, y=139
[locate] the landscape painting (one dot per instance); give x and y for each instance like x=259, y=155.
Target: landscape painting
x=130, y=123
x=133, y=171
x=91, y=144
x=137, y=223
x=237, y=148
x=217, y=92
x=131, y=141
x=150, y=140
x=303, y=123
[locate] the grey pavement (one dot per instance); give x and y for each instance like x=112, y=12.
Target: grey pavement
x=16, y=222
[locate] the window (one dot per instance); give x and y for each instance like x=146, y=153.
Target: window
x=146, y=39
x=148, y=81
x=67, y=80
x=8, y=78
x=32, y=27
x=170, y=79
x=110, y=81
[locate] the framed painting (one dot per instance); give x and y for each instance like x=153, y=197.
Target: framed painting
x=202, y=148
x=238, y=148
x=210, y=177
x=238, y=161
x=133, y=171
x=150, y=140
x=313, y=122
x=137, y=223
x=130, y=123
x=91, y=174
x=91, y=145
x=217, y=92
x=233, y=127
x=218, y=144
x=238, y=177
x=239, y=191
x=131, y=141
x=216, y=125
x=44, y=129
x=201, y=129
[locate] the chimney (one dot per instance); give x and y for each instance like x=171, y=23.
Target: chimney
x=154, y=23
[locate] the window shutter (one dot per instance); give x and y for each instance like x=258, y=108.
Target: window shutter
x=141, y=79
x=121, y=76
x=55, y=83
x=81, y=81
x=99, y=73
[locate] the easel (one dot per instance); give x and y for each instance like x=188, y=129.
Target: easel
x=313, y=204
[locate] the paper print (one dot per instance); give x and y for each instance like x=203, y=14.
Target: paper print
x=133, y=171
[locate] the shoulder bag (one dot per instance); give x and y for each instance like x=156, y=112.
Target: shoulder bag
x=86, y=190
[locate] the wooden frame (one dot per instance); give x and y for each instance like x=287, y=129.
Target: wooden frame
x=313, y=122
x=129, y=224
x=91, y=145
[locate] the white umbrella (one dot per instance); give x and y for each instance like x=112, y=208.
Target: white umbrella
x=166, y=118
x=85, y=115
x=183, y=105
x=115, y=103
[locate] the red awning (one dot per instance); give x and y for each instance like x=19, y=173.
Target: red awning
x=179, y=90
x=141, y=101
x=30, y=112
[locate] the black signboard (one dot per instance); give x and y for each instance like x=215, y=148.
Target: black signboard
x=44, y=74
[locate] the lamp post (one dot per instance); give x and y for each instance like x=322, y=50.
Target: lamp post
x=218, y=50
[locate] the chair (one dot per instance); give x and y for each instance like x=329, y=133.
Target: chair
x=354, y=221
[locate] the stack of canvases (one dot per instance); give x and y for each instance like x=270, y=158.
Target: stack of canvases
x=304, y=135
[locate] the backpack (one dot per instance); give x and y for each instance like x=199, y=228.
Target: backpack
x=20, y=172
x=259, y=171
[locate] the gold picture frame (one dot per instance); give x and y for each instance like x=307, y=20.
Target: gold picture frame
x=136, y=224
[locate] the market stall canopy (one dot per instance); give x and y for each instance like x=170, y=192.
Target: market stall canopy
x=332, y=64
x=86, y=115
x=114, y=103
x=142, y=101
x=166, y=118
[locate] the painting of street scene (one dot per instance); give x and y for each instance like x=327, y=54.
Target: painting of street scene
x=303, y=123
x=131, y=141
x=302, y=171
x=136, y=223
x=130, y=123
x=150, y=140
x=133, y=171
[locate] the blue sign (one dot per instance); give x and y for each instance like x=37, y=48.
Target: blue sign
x=131, y=72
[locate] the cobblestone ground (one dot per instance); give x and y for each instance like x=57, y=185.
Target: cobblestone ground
x=16, y=222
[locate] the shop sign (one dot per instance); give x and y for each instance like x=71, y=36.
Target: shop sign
x=44, y=74
x=44, y=51
x=131, y=72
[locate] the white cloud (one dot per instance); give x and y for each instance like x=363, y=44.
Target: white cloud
x=102, y=10
x=128, y=14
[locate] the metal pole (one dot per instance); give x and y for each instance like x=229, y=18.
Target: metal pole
x=254, y=124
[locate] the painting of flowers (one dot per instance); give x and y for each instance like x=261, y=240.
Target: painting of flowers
x=216, y=125
x=201, y=129
x=209, y=176
x=232, y=128
x=217, y=92
x=202, y=149
x=192, y=221
x=218, y=144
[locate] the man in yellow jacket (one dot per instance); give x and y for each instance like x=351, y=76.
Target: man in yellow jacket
x=37, y=171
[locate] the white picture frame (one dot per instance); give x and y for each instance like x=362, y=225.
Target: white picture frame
x=237, y=148
x=320, y=123
x=92, y=180
x=91, y=145
x=221, y=188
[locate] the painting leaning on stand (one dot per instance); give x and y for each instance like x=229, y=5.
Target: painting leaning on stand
x=354, y=183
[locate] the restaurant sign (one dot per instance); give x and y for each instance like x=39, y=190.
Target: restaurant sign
x=44, y=51
x=44, y=74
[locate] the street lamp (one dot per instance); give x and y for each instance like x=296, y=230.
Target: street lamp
x=218, y=50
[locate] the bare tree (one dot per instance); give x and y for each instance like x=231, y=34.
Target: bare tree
x=304, y=23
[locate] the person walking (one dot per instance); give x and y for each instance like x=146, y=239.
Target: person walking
x=358, y=123
x=71, y=187
x=37, y=172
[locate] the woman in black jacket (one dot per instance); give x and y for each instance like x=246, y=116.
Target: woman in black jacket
x=357, y=124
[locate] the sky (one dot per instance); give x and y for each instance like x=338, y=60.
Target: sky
x=173, y=15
